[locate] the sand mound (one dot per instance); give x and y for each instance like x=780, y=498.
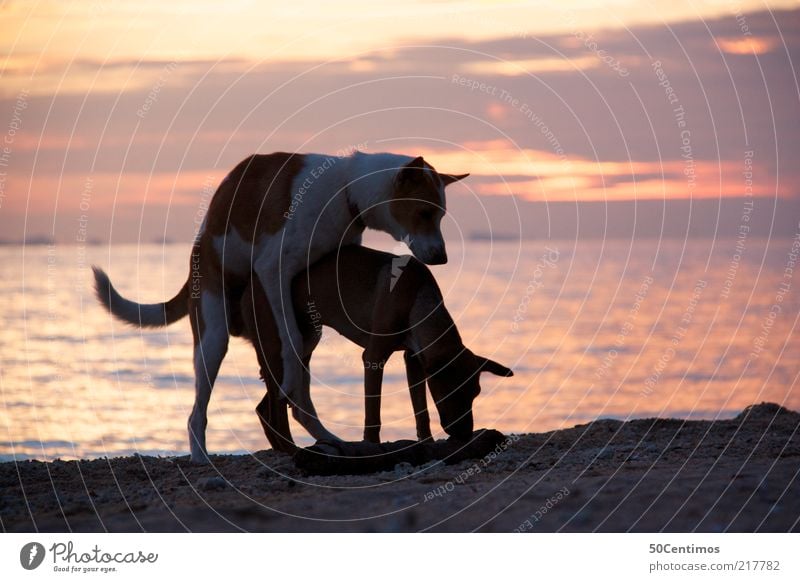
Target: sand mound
x=741, y=474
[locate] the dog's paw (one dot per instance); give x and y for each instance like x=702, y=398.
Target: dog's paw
x=372, y=436
x=200, y=458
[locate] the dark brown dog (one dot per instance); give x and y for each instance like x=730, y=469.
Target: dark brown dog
x=384, y=303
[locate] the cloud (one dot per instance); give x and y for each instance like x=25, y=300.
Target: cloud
x=537, y=175
x=621, y=135
x=747, y=45
x=517, y=68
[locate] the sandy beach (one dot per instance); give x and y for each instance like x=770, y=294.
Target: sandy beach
x=646, y=475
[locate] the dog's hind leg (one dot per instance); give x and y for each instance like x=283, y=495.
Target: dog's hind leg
x=277, y=284
x=304, y=412
x=273, y=411
x=210, y=330
x=296, y=381
x=415, y=374
x=274, y=417
x=373, y=380
x=374, y=357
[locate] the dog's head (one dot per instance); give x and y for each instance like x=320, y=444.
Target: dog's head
x=454, y=384
x=417, y=207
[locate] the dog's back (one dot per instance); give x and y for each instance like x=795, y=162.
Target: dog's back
x=351, y=290
x=341, y=291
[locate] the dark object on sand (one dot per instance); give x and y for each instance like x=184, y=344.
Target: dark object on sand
x=358, y=458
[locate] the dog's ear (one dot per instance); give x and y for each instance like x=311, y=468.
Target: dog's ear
x=450, y=178
x=417, y=163
x=412, y=171
x=487, y=365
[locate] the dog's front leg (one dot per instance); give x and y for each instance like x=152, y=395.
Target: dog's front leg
x=373, y=380
x=276, y=279
x=415, y=374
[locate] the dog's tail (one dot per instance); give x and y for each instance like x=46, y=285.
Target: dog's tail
x=140, y=314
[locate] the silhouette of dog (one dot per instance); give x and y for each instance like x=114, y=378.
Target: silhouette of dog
x=362, y=294
x=271, y=217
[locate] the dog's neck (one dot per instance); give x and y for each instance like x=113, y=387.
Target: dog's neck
x=370, y=183
x=437, y=357
x=433, y=334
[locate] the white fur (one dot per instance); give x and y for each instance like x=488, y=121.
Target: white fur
x=234, y=252
x=324, y=195
x=331, y=198
x=372, y=178
x=208, y=356
x=129, y=311
x=427, y=245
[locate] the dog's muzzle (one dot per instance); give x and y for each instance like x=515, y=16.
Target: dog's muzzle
x=437, y=258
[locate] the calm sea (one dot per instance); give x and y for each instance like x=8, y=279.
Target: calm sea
x=696, y=329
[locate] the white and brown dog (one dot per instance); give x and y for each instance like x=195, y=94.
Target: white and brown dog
x=272, y=217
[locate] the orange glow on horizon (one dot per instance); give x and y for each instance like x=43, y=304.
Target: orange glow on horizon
x=749, y=45
x=543, y=176
x=495, y=170
x=516, y=68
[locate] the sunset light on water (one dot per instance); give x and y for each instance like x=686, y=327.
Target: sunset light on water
x=511, y=266
x=589, y=329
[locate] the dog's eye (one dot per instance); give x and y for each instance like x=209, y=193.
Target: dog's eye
x=426, y=214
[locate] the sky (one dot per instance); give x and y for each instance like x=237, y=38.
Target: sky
x=119, y=118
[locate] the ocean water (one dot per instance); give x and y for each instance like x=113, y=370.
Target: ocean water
x=592, y=329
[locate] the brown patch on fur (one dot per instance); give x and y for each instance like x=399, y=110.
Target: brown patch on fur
x=255, y=196
x=416, y=201
x=253, y=199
